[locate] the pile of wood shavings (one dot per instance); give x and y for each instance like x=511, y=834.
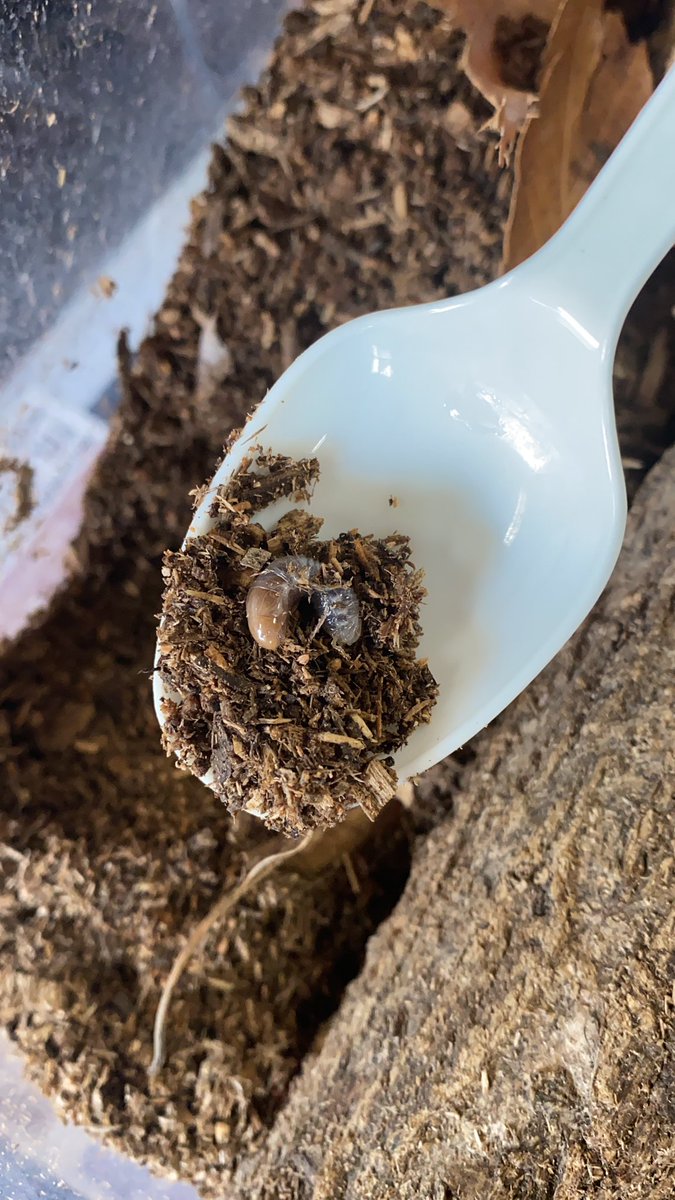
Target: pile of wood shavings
x=300, y=734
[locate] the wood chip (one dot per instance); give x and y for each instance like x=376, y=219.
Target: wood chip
x=588, y=58
x=495, y=29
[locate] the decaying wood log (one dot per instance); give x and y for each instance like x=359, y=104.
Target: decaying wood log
x=512, y=1032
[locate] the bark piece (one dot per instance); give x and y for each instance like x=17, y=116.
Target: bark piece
x=511, y=1034
x=504, y=43
x=594, y=84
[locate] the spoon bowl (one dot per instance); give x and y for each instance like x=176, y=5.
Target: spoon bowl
x=483, y=428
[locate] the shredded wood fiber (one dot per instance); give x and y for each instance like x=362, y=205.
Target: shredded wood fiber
x=300, y=733
x=373, y=185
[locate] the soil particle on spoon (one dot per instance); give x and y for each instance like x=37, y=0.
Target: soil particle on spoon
x=295, y=703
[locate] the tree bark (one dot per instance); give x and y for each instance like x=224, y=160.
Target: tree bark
x=511, y=1034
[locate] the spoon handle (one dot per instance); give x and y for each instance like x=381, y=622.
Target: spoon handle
x=598, y=261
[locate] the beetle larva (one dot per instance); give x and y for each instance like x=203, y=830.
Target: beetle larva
x=341, y=613
x=275, y=594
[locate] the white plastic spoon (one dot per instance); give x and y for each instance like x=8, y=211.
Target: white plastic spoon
x=488, y=418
